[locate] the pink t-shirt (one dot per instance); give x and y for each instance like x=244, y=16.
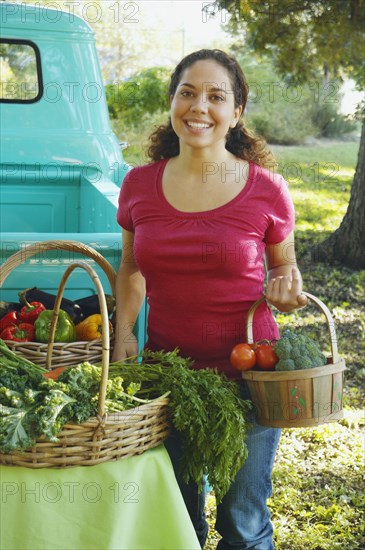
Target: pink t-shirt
x=203, y=270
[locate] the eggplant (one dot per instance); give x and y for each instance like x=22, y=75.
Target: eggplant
x=90, y=304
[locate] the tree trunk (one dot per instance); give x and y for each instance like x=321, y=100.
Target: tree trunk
x=347, y=244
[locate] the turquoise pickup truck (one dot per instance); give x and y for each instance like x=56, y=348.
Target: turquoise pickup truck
x=61, y=164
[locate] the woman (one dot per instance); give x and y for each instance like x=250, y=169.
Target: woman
x=199, y=223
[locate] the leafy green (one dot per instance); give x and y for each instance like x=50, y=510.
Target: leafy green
x=28, y=415
x=32, y=405
x=48, y=417
x=13, y=433
x=82, y=384
x=29, y=405
x=13, y=366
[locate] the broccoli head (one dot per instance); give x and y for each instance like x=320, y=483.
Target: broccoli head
x=283, y=348
x=298, y=351
x=285, y=364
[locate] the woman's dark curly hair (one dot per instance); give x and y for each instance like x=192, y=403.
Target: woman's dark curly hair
x=241, y=142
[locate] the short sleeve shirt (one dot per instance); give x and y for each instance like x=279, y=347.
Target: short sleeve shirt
x=203, y=270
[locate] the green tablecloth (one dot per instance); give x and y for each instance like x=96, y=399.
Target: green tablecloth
x=131, y=504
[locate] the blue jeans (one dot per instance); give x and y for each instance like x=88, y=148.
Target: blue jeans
x=243, y=519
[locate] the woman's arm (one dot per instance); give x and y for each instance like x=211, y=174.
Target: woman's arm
x=130, y=292
x=284, y=279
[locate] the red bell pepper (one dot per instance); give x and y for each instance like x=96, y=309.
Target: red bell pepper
x=29, y=313
x=9, y=320
x=18, y=333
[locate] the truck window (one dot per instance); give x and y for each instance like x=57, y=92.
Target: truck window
x=21, y=75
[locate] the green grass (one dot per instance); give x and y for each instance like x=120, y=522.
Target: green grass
x=318, y=498
x=320, y=181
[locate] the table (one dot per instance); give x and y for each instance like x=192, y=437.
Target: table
x=131, y=504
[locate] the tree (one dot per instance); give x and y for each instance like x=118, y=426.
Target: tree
x=144, y=92
x=123, y=44
x=304, y=37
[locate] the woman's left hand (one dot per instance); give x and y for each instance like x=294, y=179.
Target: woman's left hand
x=284, y=291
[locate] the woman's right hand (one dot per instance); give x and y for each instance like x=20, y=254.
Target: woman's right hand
x=125, y=346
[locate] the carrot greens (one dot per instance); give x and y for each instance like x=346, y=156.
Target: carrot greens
x=206, y=408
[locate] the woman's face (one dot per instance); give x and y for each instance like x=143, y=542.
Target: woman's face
x=202, y=108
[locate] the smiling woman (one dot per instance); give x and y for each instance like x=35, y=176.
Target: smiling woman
x=198, y=223
x=202, y=112
x=232, y=85
x=203, y=106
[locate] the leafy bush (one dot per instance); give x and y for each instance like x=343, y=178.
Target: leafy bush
x=277, y=110
x=329, y=122
x=132, y=99
x=282, y=124
x=285, y=113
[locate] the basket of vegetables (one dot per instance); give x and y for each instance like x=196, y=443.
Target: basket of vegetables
x=88, y=414
x=80, y=417
x=25, y=327
x=291, y=382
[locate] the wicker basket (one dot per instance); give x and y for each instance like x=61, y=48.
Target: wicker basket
x=103, y=438
x=300, y=398
x=64, y=354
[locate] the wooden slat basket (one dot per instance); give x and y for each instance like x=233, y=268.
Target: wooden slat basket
x=105, y=437
x=65, y=353
x=300, y=398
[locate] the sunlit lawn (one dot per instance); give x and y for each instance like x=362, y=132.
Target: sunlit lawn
x=320, y=181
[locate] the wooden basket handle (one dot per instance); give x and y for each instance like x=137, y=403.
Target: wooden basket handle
x=318, y=302
x=105, y=327
x=73, y=246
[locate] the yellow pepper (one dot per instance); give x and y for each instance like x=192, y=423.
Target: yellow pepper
x=91, y=328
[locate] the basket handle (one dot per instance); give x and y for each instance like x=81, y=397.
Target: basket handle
x=318, y=302
x=105, y=324
x=73, y=246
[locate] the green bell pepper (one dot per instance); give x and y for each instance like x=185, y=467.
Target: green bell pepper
x=65, y=328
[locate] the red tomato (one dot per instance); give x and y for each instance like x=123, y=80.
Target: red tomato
x=242, y=357
x=266, y=356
